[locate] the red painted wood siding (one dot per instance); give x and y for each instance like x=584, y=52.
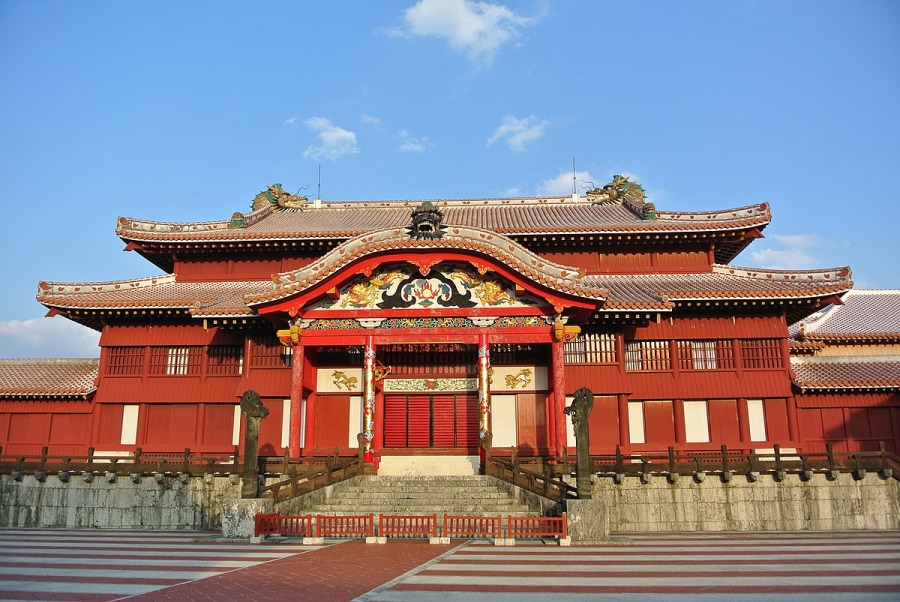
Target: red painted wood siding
x=531, y=423
x=659, y=423
x=723, y=421
x=109, y=431
x=603, y=425
x=332, y=421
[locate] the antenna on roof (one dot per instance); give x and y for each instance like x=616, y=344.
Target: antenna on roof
x=319, y=185
x=574, y=183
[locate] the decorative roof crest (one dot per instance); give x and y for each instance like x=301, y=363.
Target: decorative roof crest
x=427, y=222
x=279, y=199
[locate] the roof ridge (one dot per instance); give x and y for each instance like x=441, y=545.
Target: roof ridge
x=46, y=288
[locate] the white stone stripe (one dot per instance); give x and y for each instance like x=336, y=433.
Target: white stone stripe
x=136, y=546
x=538, y=567
x=40, y=573
x=650, y=581
x=661, y=561
x=663, y=596
x=142, y=562
x=66, y=587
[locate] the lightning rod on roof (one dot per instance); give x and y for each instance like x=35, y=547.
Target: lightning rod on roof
x=319, y=185
x=574, y=183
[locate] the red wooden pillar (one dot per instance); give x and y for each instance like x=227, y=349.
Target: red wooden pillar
x=678, y=413
x=793, y=433
x=295, y=418
x=557, y=360
x=624, y=424
x=744, y=422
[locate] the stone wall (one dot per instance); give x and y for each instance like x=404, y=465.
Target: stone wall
x=764, y=505
x=165, y=503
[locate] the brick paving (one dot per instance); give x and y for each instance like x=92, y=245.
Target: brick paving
x=335, y=573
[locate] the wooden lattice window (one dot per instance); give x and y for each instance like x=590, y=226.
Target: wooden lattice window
x=762, y=353
x=175, y=361
x=225, y=360
x=647, y=355
x=705, y=355
x=268, y=352
x=124, y=361
x=591, y=348
x=515, y=354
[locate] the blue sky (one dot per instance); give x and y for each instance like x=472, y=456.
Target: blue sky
x=183, y=111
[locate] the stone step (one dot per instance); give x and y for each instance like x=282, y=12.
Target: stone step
x=487, y=494
x=417, y=504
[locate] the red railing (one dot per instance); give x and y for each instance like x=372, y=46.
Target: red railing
x=270, y=524
x=472, y=526
x=391, y=525
x=339, y=526
x=529, y=526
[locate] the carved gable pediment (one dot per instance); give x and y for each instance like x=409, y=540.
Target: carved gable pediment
x=452, y=285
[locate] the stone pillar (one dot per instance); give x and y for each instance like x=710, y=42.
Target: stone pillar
x=484, y=395
x=369, y=399
x=296, y=399
x=580, y=411
x=558, y=363
x=588, y=521
x=254, y=411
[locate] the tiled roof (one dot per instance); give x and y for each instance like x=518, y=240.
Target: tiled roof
x=640, y=291
x=837, y=373
x=866, y=315
x=518, y=216
x=151, y=292
x=30, y=378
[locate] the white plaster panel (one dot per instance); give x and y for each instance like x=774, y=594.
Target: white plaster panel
x=518, y=378
x=696, y=422
x=503, y=420
x=285, y=422
x=757, y=419
x=636, y=421
x=236, y=426
x=356, y=416
x=570, y=428
x=329, y=380
x=129, y=424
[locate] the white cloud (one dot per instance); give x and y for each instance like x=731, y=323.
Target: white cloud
x=411, y=144
x=518, y=132
x=335, y=141
x=786, y=252
x=561, y=185
x=370, y=120
x=47, y=337
x=291, y=121
x=477, y=29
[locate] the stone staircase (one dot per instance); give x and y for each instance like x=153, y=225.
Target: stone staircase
x=421, y=495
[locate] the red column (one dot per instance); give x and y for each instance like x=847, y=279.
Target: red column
x=559, y=396
x=296, y=400
x=744, y=422
x=793, y=433
x=624, y=425
x=678, y=413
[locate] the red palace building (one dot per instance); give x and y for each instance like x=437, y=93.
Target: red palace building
x=416, y=329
